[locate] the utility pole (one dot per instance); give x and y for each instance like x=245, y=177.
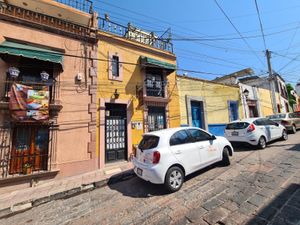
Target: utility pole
x=271, y=79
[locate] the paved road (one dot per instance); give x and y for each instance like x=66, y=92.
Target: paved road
x=260, y=187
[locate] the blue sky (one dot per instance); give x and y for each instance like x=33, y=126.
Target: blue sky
x=204, y=39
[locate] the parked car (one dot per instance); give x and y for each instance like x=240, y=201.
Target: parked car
x=167, y=156
x=291, y=121
x=255, y=131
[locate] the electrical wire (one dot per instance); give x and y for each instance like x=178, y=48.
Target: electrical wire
x=260, y=23
x=245, y=41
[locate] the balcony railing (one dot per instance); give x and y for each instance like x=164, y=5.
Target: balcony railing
x=82, y=5
x=155, y=88
x=135, y=34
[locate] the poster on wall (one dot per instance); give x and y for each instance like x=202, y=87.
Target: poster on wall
x=27, y=103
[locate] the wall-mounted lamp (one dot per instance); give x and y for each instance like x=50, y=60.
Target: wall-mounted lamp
x=44, y=75
x=246, y=93
x=13, y=72
x=116, y=94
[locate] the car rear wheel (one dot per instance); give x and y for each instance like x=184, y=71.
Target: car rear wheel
x=225, y=159
x=174, y=179
x=262, y=142
x=294, y=130
x=284, y=135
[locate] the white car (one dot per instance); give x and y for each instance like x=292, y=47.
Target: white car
x=255, y=131
x=167, y=156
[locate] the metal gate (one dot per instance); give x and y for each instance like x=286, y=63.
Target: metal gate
x=115, y=138
x=156, y=118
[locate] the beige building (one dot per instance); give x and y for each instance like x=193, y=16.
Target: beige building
x=48, y=83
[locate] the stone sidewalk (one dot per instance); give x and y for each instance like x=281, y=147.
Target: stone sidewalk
x=260, y=187
x=46, y=191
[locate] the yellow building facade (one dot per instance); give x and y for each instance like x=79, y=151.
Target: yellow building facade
x=136, y=93
x=208, y=105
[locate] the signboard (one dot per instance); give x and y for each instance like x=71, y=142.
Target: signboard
x=28, y=103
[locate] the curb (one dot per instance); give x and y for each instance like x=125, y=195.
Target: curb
x=27, y=205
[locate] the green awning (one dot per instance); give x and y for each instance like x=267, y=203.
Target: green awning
x=28, y=51
x=150, y=62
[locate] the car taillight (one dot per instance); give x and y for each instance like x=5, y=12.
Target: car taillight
x=251, y=128
x=156, y=157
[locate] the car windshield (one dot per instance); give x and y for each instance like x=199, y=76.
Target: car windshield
x=237, y=126
x=276, y=116
x=148, y=142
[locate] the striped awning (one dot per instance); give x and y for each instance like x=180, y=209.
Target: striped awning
x=32, y=52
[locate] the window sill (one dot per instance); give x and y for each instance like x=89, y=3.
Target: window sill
x=156, y=99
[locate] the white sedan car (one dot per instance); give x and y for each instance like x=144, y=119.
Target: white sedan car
x=167, y=156
x=255, y=131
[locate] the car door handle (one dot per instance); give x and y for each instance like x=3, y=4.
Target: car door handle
x=177, y=152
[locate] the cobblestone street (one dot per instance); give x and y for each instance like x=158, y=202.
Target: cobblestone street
x=260, y=187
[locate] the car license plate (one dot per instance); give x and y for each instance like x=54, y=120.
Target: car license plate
x=235, y=133
x=139, y=171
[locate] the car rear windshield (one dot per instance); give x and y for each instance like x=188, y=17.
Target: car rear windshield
x=237, y=126
x=148, y=142
x=277, y=116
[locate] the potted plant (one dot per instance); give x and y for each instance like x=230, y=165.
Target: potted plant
x=27, y=168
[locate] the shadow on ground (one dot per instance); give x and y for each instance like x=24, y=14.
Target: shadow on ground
x=283, y=209
x=135, y=187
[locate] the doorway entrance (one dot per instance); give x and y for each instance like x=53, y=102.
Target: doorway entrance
x=197, y=111
x=115, y=132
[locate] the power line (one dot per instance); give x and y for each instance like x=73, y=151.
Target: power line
x=121, y=62
x=260, y=23
x=237, y=31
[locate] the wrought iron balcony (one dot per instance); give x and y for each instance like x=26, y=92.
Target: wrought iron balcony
x=136, y=34
x=155, y=88
x=82, y=5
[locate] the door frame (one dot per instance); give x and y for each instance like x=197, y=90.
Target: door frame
x=100, y=151
x=125, y=135
x=188, y=100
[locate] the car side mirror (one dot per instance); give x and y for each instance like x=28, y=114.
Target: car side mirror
x=213, y=137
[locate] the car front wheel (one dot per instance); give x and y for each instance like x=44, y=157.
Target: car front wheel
x=284, y=135
x=262, y=143
x=174, y=179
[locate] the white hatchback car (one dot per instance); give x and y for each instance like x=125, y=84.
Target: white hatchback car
x=255, y=131
x=167, y=156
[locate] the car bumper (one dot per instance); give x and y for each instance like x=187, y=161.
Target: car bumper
x=149, y=172
x=251, y=139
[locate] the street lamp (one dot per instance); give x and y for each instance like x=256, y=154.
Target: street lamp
x=116, y=94
x=246, y=93
x=13, y=72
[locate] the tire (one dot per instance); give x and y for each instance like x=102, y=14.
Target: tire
x=262, y=143
x=284, y=136
x=294, y=130
x=174, y=179
x=225, y=159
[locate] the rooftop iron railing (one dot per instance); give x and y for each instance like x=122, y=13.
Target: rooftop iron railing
x=82, y=5
x=136, y=34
